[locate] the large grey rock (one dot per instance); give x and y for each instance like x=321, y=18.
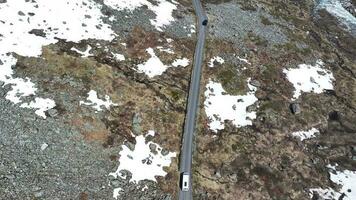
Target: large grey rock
x=295, y=108
x=255, y=83
x=136, y=124
x=130, y=145
x=217, y=174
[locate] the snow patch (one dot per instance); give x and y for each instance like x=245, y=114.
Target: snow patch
x=243, y=60
x=191, y=29
x=142, y=162
x=40, y=105
x=310, y=78
x=22, y=88
x=181, y=62
x=118, y=57
x=117, y=192
x=150, y=133
x=220, y=106
x=217, y=59
x=96, y=103
x=167, y=50
x=163, y=9
x=85, y=53
x=153, y=66
x=304, y=135
x=144, y=188
x=346, y=179
x=126, y=4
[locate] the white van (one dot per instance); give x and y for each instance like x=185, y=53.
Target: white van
x=185, y=181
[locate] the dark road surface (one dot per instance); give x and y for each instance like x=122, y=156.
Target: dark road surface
x=193, y=101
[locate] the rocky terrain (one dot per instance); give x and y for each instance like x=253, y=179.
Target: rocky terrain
x=92, y=103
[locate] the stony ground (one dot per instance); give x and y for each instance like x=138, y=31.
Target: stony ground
x=71, y=153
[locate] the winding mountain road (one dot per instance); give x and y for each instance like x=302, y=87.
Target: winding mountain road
x=192, y=104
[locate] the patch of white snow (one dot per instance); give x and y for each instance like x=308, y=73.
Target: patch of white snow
x=217, y=59
x=191, y=30
x=40, y=105
x=85, y=53
x=162, y=8
x=243, y=60
x=310, y=78
x=150, y=132
x=220, y=106
x=96, y=103
x=22, y=88
x=118, y=57
x=141, y=162
x=304, y=135
x=153, y=66
x=144, y=188
x=126, y=4
x=346, y=179
x=164, y=11
x=19, y=87
x=167, y=50
x=181, y=62
x=117, y=193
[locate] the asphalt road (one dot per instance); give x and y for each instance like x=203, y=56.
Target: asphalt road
x=193, y=101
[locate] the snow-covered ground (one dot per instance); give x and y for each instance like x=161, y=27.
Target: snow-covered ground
x=117, y=192
x=304, y=135
x=244, y=60
x=310, y=78
x=154, y=66
x=191, y=29
x=142, y=162
x=183, y=62
x=220, y=106
x=22, y=88
x=85, y=53
x=167, y=50
x=216, y=59
x=162, y=8
x=346, y=179
x=41, y=105
x=96, y=103
x=118, y=57
x=17, y=22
